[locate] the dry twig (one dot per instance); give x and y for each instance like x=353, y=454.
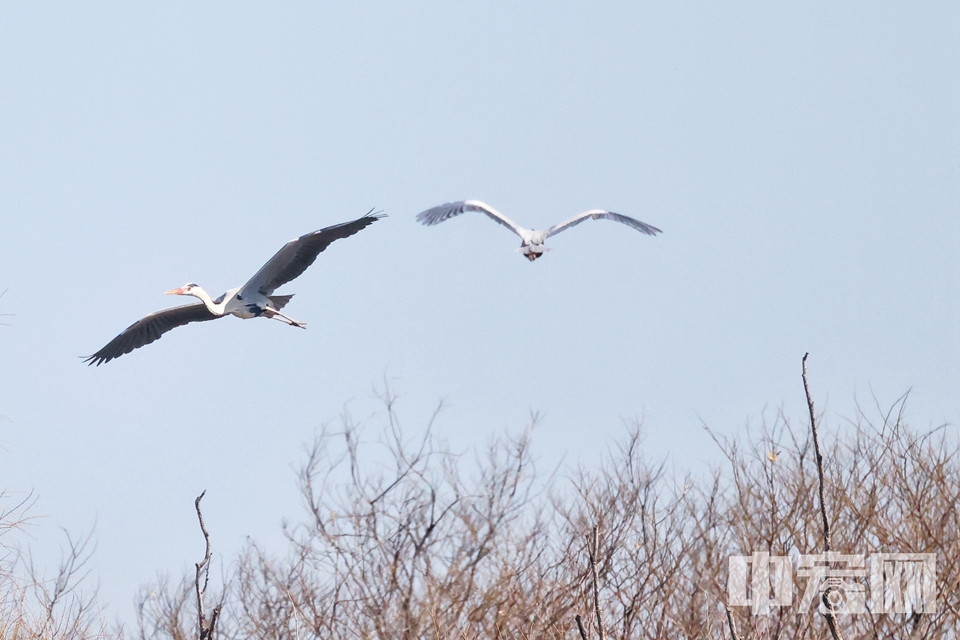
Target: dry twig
x=733, y=629
x=583, y=632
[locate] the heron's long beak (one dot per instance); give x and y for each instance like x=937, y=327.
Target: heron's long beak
x=174, y=292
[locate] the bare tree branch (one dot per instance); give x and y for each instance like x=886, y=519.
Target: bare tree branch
x=830, y=615
x=594, y=560
x=205, y=628
x=733, y=628
x=819, y=458
x=583, y=632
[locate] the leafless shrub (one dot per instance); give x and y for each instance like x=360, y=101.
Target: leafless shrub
x=406, y=551
x=34, y=605
x=163, y=611
x=434, y=544
x=892, y=489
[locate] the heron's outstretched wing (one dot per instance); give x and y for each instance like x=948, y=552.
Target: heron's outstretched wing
x=148, y=329
x=442, y=212
x=295, y=256
x=596, y=214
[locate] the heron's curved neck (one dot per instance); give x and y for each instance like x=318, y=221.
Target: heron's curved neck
x=198, y=292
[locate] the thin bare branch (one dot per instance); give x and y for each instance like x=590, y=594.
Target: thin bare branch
x=594, y=561
x=733, y=628
x=205, y=627
x=583, y=632
x=828, y=603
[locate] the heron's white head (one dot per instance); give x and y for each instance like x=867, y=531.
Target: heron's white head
x=189, y=289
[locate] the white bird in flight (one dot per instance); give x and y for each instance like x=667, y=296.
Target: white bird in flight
x=252, y=300
x=532, y=239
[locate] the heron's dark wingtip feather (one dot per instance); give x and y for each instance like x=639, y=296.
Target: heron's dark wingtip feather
x=96, y=359
x=104, y=355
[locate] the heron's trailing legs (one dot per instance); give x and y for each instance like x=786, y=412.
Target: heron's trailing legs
x=270, y=312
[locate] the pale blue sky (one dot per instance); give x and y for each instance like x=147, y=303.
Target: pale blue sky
x=801, y=159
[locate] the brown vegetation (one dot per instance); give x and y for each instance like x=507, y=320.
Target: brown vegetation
x=425, y=543
x=438, y=546
x=37, y=606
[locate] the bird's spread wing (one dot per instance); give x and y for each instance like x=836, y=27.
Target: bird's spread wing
x=451, y=209
x=149, y=329
x=596, y=214
x=295, y=256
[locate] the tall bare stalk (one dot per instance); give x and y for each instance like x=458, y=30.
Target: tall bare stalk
x=830, y=614
x=205, y=627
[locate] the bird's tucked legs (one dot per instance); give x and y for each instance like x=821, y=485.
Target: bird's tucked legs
x=270, y=312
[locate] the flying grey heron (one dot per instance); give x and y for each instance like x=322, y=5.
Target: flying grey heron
x=532, y=240
x=252, y=300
